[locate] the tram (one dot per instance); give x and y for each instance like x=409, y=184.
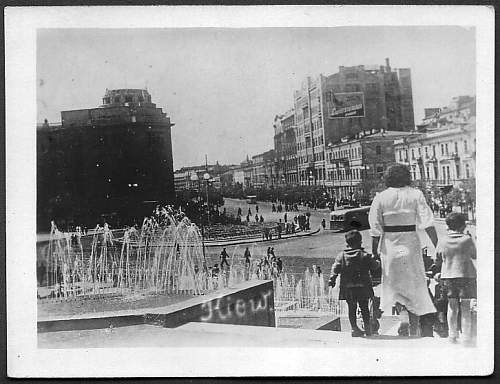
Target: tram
x=350, y=218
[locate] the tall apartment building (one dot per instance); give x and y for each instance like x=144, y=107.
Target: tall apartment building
x=110, y=163
x=285, y=146
x=356, y=99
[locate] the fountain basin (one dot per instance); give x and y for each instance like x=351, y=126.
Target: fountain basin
x=247, y=303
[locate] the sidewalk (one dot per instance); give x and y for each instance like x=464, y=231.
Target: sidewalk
x=258, y=239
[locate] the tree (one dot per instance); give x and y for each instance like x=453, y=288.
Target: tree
x=369, y=186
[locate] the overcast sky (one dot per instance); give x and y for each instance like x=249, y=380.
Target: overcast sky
x=223, y=87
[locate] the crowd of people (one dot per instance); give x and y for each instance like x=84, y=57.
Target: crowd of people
x=440, y=207
x=267, y=267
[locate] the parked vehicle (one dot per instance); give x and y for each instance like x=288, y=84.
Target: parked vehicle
x=251, y=199
x=352, y=218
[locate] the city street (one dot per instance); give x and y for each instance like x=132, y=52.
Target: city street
x=320, y=245
x=299, y=253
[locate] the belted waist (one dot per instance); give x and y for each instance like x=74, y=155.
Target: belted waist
x=400, y=228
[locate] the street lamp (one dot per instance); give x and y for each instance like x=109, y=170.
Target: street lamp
x=195, y=179
x=206, y=177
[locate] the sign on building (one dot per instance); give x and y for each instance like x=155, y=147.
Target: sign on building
x=346, y=105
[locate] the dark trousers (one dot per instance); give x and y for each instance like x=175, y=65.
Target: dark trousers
x=365, y=313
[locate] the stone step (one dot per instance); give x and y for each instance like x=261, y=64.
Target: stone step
x=223, y=335
x=297, y=337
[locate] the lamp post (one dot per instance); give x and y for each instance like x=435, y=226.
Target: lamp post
x=206, y=177
x=195, y=179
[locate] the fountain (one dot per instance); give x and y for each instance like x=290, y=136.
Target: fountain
x=162, y=259
x=308, y=294
x=159, y=258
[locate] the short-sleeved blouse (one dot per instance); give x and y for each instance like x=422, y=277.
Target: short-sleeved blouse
x=399, y=206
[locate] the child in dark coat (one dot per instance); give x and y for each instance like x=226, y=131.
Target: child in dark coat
x=355, y=266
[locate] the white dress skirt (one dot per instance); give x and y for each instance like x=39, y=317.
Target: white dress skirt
x=403, y=272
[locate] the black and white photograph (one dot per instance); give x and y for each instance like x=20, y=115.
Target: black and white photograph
x=249, y=191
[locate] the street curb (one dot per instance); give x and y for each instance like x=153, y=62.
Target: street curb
x=258, y=240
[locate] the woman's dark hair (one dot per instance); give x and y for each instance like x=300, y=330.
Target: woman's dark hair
x=397, y=175
x=455, y=221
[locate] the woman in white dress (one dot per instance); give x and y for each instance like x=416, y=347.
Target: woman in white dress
x=395, y=215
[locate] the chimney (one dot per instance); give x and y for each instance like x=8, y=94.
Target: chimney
x=387, y=65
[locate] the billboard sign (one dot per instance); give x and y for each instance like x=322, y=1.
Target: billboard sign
x=346, y=105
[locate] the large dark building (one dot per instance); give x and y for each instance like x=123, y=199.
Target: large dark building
x=110, y=163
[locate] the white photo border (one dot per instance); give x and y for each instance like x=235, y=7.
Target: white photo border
x=25, y=360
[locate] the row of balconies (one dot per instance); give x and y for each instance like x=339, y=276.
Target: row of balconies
x=432, y=159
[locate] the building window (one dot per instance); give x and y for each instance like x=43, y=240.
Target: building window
x=434, y=150
x=412, y=154
x=465, y=146
x=400, y=155
x=106, y=100
x=128, y=99
x=442, y=149
x=305, y=111
x=467, y=171
x=426, y=154
x=428, y=172
x=419, y=153
x=378, y=150
x=117, y=99
x=446, y=148
x=457, y=169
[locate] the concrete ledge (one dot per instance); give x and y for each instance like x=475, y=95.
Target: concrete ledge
x=318, y=321
x=248, y=303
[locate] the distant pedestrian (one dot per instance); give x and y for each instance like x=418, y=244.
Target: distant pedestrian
x=223, y=258
x=261, y=219
x=249, y=212
x=323, y=223
x=279, y=264
x=285, y=217
x=239, y=211
x=247, y=257
x=256, y=208
x=256, y=218
x=248, y=218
